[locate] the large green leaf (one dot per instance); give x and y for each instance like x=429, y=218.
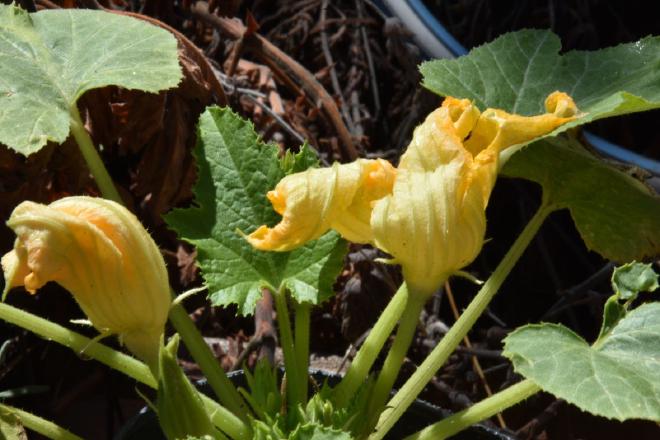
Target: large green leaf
x=50, y=58
x=236, y=170
x=618, y=377
x=516, y=72
x=616, y=215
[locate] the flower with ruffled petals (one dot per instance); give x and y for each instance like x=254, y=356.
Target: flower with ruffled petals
x=319, y=199
x=429, y=214
x=434, y=222
x=101, y=253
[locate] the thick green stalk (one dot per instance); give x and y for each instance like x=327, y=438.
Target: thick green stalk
x=92, y=157
x=78, y=343
x=358, y=371
x=301, y=345
x=416, y=383
x=477, y=412
x=221, y=417
x=293, y=391
x=396, y=355
x=202, y=354
x=37, y=424
x=200, y=351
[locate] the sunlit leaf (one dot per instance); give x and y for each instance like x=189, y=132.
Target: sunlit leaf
x=618, y=377
x=48, y=59
x=236, y=170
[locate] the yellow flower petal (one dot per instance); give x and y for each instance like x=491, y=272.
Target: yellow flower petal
x=316, y=200
x=431, y=217
x=434, y=222
x=99, y=251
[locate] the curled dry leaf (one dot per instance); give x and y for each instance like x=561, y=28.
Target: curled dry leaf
x=159, y=128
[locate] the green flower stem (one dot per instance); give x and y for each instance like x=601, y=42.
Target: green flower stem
x=392, y=365
x=89, y=348
x=200, y=351
x=39, y=425
x=202, y=354
x=92, y=157
x=293, y=391
x=82, y=345
x=416, y=383
x=359, y=369
x=477, y=412
x=301, y=345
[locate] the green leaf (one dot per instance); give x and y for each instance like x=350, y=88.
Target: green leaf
x=616, y=215
x=630, y=279
x=236, y=170
x=181, y=412
x=516, y=72
x=618, y=377
x=50, y=58
x=613, y=312
x=317, y=432
x=264, y=392
x=300, y=161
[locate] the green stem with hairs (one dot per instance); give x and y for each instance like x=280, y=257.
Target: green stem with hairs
x=217, y=379
x=301, y=346
x=89, y=348
x=92, y=157
x=200, y=351
x=477, y=412
x=293, y=391
x=359, y=370
x=436, y=359
x=37, y=424
x=394, y=360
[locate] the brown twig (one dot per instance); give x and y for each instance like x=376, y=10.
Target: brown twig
x=289, y=129
x=265, y=337
x=237, y=51
x=532, y=427
x=48, y=4
x=370, y=62
x=331, y=65
x=475, y=361
x=289, y=71
x=458, y=400
x=90, y=4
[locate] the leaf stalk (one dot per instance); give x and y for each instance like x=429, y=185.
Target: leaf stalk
x=436, y=359
x=92, y=157
x=359, y=369
x=479, y=411
x=39, y=425
x=84, y=346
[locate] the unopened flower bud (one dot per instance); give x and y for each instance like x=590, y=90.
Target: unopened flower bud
x=101, y=253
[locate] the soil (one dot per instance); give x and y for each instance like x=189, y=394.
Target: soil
x=345, y=80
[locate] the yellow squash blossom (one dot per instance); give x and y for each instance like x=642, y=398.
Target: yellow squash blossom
x=319, y=199
x=429, y=213
x=434, y=222
x=101, y=253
